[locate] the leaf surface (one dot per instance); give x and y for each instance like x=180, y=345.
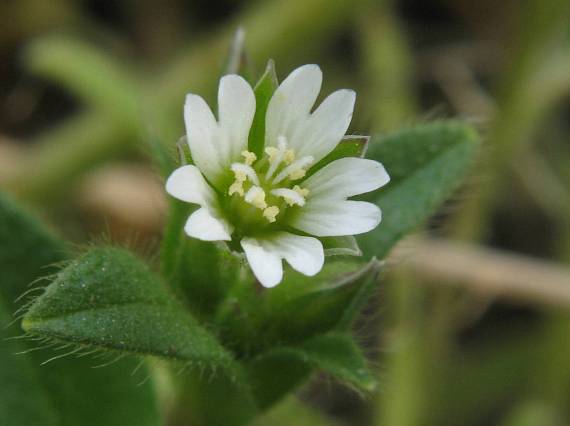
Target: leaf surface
x=108, y=298
x=67, y=391
x=426, y=164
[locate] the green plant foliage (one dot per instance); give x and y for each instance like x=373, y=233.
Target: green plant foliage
x=263, y=90
x=110, y=299
x=216, y=400
x=27, y=250
x=22, y=401
x=66, y=391
x=426, y=164
x=281, y=369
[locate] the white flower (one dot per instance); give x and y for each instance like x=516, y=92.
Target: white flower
x=264, y=203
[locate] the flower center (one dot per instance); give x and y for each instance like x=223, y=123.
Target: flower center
x=264, y=188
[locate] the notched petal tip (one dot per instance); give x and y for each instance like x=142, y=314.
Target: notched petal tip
x=203, y=226
x=267, y=266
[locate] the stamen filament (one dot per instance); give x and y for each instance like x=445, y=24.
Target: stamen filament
x=294, y=171
x=256, y=197
x=247, y=170
x=290, y=196
x=276, y=156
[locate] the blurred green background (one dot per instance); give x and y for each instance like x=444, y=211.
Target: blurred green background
x=472, y=323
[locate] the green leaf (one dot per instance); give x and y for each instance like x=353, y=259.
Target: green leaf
x=212, y=400
x=27, y=250
x=22, y=401
x=67, y=391
x=426, y=164
x=110, y=299
x=281, y=369
x=350, y=146
x=264, y=90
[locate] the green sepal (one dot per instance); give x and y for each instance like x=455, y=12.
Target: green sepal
x=263, y=90
x=236, y=59
x=349, y=146
x=426, y=164
x=341, y=246
x=183, y=151
x=302, y=307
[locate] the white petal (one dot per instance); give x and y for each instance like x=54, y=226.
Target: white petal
x=331, y=217
x=265, y=264
x=345, y=178
x=236, y=108
x=304, y=254
x=203, y=135
x=202, y=225
x=325, y=128
x=187, y=184
x=292, y=102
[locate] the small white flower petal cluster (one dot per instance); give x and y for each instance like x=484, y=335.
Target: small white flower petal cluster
x=263, y=202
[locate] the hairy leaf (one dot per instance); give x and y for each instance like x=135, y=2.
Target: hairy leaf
x=66, y=391
x=426, y=164
x=110, y=299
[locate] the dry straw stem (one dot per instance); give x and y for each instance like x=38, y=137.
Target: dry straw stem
x=488, y=272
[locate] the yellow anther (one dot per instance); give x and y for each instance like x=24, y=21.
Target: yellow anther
x=249, y=157
x=297, y=174
x=236, y=187
x=303, y=192
x=289, y=156
x=270, y=213
x=272, y=152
